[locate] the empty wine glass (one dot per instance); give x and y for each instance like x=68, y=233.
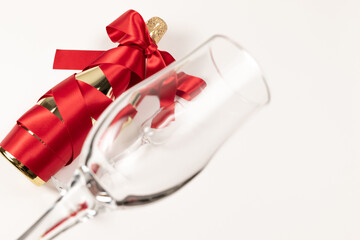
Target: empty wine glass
x=160, y=134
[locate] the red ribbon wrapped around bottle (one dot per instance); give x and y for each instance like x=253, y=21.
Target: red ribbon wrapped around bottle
x=51, y=134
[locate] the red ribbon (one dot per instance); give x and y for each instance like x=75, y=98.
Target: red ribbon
x=61, y=141
x=167, y=88
x=170, y=86
x=128, y=30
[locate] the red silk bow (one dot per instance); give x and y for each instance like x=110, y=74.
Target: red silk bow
x=135, y=44
x=44, y=143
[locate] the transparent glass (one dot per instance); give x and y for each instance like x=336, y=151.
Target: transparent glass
x=160, y=134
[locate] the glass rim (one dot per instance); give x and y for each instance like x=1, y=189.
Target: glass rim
x=240, y=48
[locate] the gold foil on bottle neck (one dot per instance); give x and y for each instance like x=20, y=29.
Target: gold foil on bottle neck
x=96, y=78
x=157, y=28
x=49, y=104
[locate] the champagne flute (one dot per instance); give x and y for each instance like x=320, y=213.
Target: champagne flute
x=159, y=134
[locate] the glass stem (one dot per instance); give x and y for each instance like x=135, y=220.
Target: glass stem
x=76, y=205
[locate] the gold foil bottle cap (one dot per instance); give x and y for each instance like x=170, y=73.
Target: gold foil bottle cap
x=157, y=28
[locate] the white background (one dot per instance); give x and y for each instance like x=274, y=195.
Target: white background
x=292, y=172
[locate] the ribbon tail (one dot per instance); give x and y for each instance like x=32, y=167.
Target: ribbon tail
x=74, y=59
x=157, y=61
x=168, y=59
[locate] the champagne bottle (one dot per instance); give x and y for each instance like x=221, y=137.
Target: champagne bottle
x=94, y=77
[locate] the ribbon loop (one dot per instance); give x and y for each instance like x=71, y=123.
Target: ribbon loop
x=129, y=28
